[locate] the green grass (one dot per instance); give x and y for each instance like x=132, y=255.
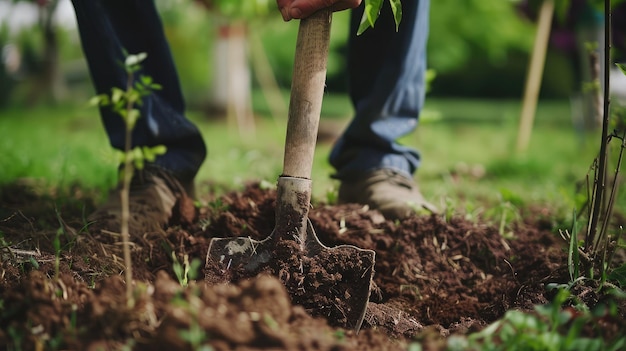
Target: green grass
x=60, y=145
x=66, y=144
x=482, y=135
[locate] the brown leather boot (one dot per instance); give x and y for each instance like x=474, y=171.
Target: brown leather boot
x=386, y=190
x=154, y=196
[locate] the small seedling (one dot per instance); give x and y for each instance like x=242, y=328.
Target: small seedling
x=600, y=243
x=123, y=103
x=195, y=335
x=185, y=271
x=549, y=327
x=218, y=205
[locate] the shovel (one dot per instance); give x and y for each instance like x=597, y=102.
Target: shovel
x=330, y=282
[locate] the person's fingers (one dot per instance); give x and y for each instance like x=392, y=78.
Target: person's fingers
x=299, y=9
x=283, y=7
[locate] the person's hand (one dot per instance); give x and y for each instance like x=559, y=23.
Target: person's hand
x=299, y=9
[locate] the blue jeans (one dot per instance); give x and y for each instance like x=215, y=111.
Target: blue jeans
x=107, y=27
x=387, y=88
x=386, y=72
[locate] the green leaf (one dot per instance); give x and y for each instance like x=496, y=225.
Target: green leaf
x=138, y=92
x=372, y=10
x=363, y=25
x=396, y=8
x=99, y=100
x=116, y=95
x=131, y=118
x=95, y=101
x=137, y=157
x=622, y=67
x=145, y=80
x=146, y=83
x=619, y=275
x=158, y=150
x=56, y=242
x=194, y=268
x=617, y=293
x=120, y=156
x=150, y=153
x=133, y=60
x=33, y=262
x=370, y=14
x=119, y=107
x=178, y=269
x=132, y=96
x=147, y=154
x=509, y=195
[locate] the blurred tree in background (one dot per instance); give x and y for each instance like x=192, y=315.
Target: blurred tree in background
x=461, y=30
x=231, y=89
x=8, y=65
x=43, y=58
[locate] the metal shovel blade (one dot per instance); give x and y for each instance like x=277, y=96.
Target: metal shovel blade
x=332, y=282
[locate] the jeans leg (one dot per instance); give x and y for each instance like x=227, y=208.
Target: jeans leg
x=386, y=73
x=107, y=28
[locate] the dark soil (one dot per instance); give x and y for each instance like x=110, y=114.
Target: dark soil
x=433, y=277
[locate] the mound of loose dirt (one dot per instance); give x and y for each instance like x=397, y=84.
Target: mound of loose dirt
x=434, y=276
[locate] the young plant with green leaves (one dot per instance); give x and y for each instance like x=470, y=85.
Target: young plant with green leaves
x=559, y=325
x=601, y=241
x=124, y=103
x=185, y=271
x=194, y=335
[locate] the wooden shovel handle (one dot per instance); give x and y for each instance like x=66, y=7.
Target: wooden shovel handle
x=307, y=90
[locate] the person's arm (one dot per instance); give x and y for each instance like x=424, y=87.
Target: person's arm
x=299, y=9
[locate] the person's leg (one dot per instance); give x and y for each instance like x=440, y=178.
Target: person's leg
x=107, y=28
x=386, y=72
x=387, y=87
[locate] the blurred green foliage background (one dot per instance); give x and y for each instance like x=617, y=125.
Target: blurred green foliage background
x=476, y=48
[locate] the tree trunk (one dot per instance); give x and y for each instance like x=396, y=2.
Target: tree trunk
x=51, y=83
x=231, y=92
